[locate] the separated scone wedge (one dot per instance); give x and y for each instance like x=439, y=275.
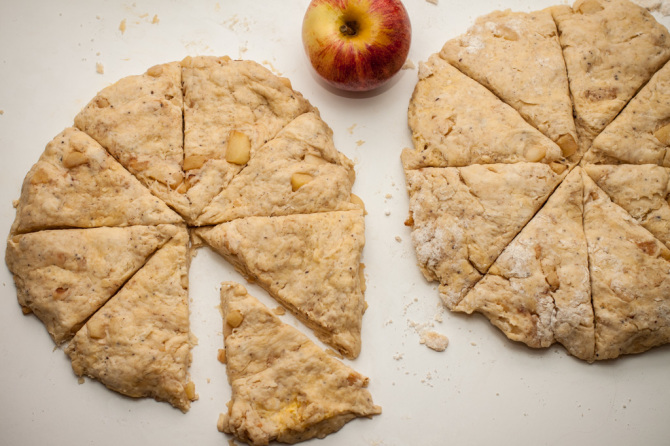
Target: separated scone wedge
x=284, y=387
x=611, y=49
x=77, y=184
x=641, y=132
x=642, y=190
x=64, y=276
x=139, y=342
x=518, y=57
x=630, y=278
x=462, y=218
x=310, y=263
x=298, y=172
x=538, y=291
x=456, y=122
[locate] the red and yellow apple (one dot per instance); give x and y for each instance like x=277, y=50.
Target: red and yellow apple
x=356, y=45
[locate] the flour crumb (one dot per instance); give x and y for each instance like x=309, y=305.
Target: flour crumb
x=99, y=68
x=398, y=239
x=155, y=20
x=408, y=65
x=435, y=341
x=427, y=379
x=387, y=212
x=279, y=310
x=434, y=2
x=398, y=356
x=122, y=26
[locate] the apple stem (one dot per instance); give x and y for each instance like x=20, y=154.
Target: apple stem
x=349, y=28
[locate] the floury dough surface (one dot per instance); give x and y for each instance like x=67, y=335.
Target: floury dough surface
x=507, y=242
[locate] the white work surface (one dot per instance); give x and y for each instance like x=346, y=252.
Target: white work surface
x=483, y=389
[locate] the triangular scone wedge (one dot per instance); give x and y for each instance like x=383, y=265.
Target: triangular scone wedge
x=231, y=108
x=64, y=276
x=630, y=278
x=641, y=132
x=611, y=49
x=139, y=121
x=310, y=263
x=462, y=218
x=139, y=343
x=643, y=191
x=457, y=122
x=284, y=387
x=518, y=57
x=538, y=291
x=298, y=172
x=77, y=184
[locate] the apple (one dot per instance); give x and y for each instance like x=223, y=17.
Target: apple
x=356, y=45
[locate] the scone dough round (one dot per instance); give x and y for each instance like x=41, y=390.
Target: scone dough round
x=557, y=230
x=101, y=244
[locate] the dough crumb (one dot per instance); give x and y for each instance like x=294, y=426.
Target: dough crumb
x=434, y=2
x=650, y=5
x=2, y=112
x=155, y=20
x=81, y=380
x=435, y=341
x=122, y=26
x=279, y=311
x=360, y=142
x=408, y=65
x=398, y=356
x=99, y=68
x=387, y=212
x=272, y=67
x=221, y=356
x=398, y=239
x=332, y=352
x=351, y=129
x=661, y=6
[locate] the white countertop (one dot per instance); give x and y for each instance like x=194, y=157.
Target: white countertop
x=482, y=389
